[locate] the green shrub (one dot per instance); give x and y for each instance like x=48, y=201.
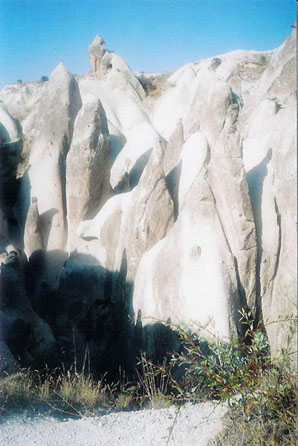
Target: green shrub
x=261, y=391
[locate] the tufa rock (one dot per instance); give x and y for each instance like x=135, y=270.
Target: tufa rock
x=87, y=167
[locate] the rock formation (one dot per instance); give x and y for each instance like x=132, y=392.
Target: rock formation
x=87, y=167
x=33, y=230
x=183, y=211
x=23, y=333
x=130, y=223
x=96, y=53
x=45, y=177
x=111, y=67
x=9, y=131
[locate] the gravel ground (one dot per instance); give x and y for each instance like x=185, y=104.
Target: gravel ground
x=193, y=425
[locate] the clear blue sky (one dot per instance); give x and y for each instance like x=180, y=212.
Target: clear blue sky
x=151, y=35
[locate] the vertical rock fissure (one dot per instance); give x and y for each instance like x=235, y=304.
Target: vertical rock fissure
x=278, y=220
x=62, y=174
x=255, y=181
x=240, y=289
x=172, y=182
x=75, y=103
x=258, y=224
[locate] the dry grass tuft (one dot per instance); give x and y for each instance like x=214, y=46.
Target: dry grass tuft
x=78, y=389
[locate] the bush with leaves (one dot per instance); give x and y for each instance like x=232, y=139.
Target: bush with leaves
x=261, y=391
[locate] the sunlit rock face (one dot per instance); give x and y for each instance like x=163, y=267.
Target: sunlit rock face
x=233, y=115
x=175, y=206
x=270, y=136
x=9, y=131
x=87, y=167
x=96, y=53
x=111, y=67
x=45, y=176
x=130, y=223
x=46, y=169
x=212, y=247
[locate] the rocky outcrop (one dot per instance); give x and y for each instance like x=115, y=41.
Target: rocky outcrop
x=26, y=335
x=9, y=131
x=173, y=148
x=131, y=223
x=111, y=67
x=181, y=211
x=10, y=156
x=45, y=177
x=141, y=140
x=227, y=174
x=211, y=274
x=22, y=102
x=270, y=152
x=96, y=53
x=150, y=214
x=194, y=278
x=46, y=171
x=33, y=230
x=87, y=167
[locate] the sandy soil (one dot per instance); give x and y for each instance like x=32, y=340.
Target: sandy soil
x=191, y=425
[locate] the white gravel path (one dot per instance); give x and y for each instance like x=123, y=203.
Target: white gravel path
x=195, y=425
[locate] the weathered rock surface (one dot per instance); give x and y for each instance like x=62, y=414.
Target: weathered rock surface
x=87, y=167
x=184, y=212
x=96, y=52
x=111, y=67
x=53, y=132
x=27, y=336
x=194, y=281
x=8, y=127
x=271, y=152
x=226, y=224
x=130, y=223
x=45, y=177
x=22, y=102
x=132, y=135
x=10, y=155
x=259, y=96
x=33, y=230
x=173, y=148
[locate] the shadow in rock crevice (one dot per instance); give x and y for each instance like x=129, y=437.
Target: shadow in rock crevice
x=46, y=219
x=89, y=311
x=138, y=169
x=23, y=200
x=117, y=144
x=90, y=315
x=131, y=179
x=255, y=180
x=157, y=339
x=172, y=182
x=10, y=156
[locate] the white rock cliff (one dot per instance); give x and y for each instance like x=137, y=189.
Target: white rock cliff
x=189, y=204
